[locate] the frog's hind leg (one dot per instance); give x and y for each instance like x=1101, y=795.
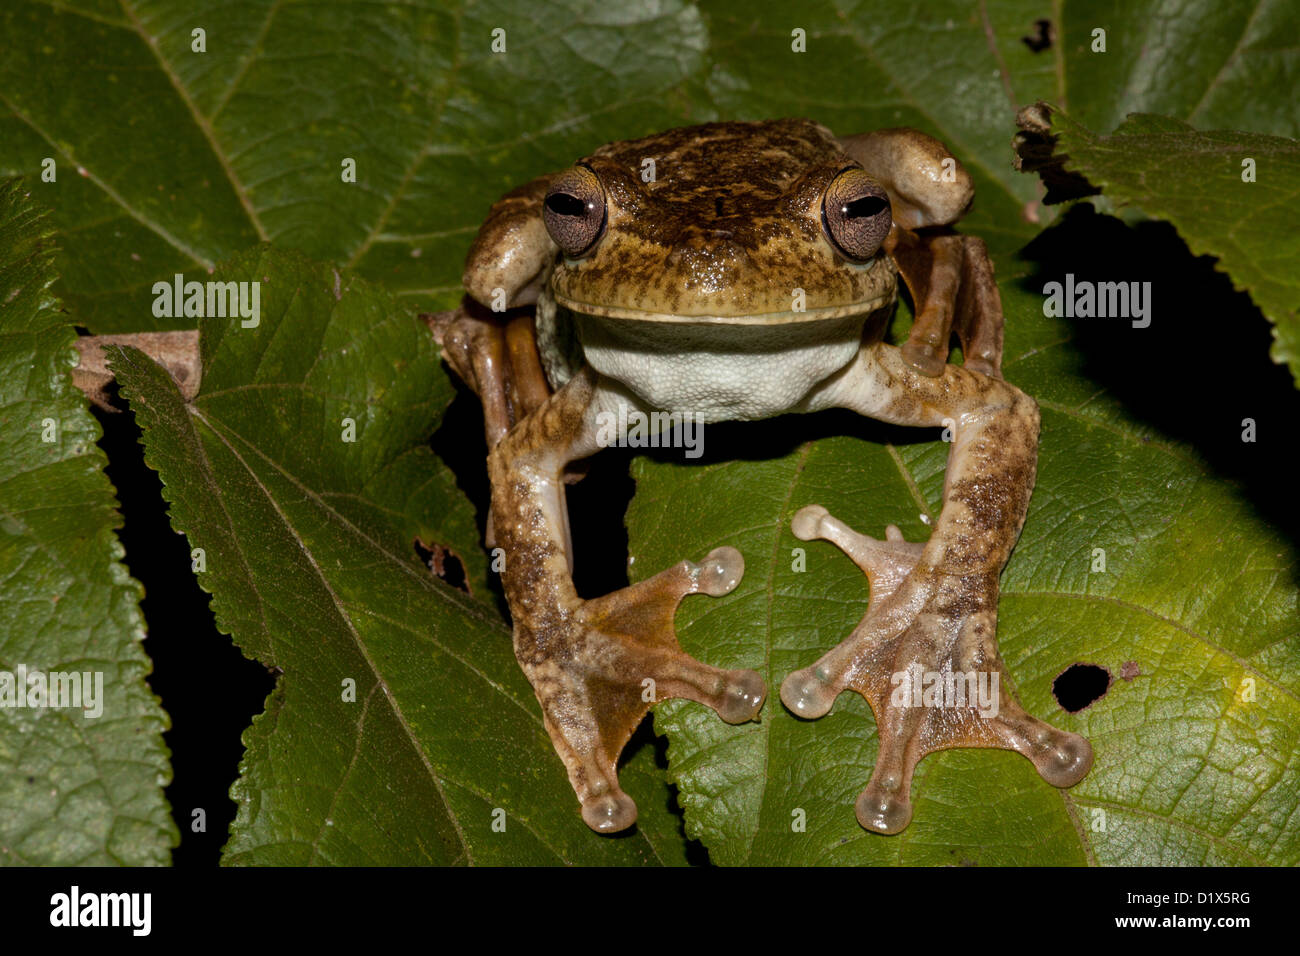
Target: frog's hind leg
x=597, y=666
x=951, y=280
x=925, y=654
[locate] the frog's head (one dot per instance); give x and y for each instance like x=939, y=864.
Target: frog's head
x=735, y=223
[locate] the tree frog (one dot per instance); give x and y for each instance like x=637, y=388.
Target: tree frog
x=733, y=271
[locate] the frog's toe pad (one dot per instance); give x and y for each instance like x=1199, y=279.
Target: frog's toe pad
x=609, y=812
x=924, y=357
x=808, y=695
x=742, y=697
x=1060, y=757
x=719, y=572
x=883, y=810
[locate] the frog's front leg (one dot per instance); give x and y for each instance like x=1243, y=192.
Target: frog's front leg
x=951, y=280
x=496, y=356
x=493, y=351
x=925, y=655
x=949, y=275
x=597, y=666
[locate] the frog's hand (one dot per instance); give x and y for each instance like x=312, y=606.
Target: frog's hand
x=950, y=276
x=951, y=280
x=925, y=654
x=596, y=666
x=496, y=356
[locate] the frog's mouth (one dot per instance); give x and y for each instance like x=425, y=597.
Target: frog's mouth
x=787, y=317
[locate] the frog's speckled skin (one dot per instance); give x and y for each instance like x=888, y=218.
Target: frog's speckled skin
x=684, y=304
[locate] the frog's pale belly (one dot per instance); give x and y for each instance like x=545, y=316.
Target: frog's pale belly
x=714, y=372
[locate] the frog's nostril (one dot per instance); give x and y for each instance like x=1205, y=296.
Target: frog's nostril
x=707, y=250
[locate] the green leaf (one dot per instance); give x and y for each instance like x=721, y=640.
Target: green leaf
x=245, y=141
x=1199, y=591
x=1194, y=179
x=171, y=160
x=75, y=787
x=1217, y=64
x=307, y=539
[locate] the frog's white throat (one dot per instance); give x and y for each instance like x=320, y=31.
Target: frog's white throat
x=713, y=372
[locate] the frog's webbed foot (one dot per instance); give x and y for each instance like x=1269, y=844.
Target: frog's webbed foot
x=925, y=658
x=953, y=290
x=599, y=670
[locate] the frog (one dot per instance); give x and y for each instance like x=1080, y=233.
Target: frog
x=736, y=271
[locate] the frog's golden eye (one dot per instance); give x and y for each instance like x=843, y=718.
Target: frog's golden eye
x=855, y=214
x=574, y=211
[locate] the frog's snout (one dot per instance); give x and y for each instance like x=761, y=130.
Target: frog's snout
x=708, y=253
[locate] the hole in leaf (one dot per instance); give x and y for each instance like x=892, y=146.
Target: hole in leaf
x=1041, y=38
x=444, y=563
x=1080, y=686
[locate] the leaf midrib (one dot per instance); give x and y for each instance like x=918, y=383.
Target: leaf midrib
x=443, y=592
x=205, y=127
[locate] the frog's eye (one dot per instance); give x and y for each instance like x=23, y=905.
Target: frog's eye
x=855, y=214
x=574, y=211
